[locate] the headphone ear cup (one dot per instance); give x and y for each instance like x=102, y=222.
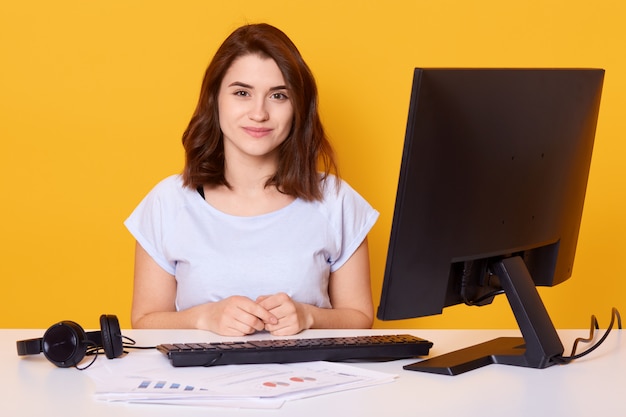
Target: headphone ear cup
x=111, y=336
x=64, y=344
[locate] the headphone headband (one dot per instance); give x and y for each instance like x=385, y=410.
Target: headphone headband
x=29, y=347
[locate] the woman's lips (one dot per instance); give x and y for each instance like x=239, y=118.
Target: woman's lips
x=257, y=132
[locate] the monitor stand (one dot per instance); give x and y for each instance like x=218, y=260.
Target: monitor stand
x=537, y=347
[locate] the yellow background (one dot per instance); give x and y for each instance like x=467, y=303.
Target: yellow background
x=94, y=96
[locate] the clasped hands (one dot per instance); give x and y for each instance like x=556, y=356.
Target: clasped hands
x=238, y=315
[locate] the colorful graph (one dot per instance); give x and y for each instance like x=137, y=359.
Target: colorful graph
x=296, y=379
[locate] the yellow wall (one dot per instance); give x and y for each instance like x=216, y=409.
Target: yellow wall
x=94, y=96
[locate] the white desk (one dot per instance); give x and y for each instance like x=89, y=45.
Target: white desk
x=591, y=386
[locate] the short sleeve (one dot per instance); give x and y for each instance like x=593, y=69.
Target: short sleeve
x=352, y=218
x=149, y=221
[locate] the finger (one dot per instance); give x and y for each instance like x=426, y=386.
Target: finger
x=249, y=324
x=271, y=302
x=282, y=330
x=262, y=314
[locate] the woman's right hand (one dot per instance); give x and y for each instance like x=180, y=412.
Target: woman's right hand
x=233, y=316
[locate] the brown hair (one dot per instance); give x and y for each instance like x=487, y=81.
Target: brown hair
x=305, y=150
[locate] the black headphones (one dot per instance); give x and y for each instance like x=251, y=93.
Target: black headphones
x=65, y=344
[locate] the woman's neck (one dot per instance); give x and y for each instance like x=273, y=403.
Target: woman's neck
x=248, y=193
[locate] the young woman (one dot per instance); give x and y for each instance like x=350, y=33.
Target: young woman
x=258, y=233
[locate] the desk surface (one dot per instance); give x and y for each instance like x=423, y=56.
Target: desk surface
x=593, y=385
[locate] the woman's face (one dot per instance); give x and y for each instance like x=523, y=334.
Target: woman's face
x=255, y=111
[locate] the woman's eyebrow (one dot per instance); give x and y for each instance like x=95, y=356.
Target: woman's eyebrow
x=240, y=84
x=244, y=85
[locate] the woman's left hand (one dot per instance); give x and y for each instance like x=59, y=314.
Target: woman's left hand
x=293, y=317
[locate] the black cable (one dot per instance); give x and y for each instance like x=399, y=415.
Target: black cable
x=592, y=334
x=95, y=350
x=615, y=316
x=467, y=273
x=131, y=344
x=484, y=297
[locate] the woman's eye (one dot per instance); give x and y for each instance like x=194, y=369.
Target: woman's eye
x=241, y=93
x=279, y=96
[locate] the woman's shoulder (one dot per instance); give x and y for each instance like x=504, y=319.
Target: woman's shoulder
x=335, y=188
x=172, y=182
x=170, y=190
x=340, y=198
x=171, y=185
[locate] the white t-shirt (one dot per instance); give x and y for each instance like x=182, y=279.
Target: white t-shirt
x=214, y=255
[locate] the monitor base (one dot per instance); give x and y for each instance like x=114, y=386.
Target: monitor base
x=503, y=350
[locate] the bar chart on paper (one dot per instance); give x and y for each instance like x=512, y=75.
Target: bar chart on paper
x=170, y=387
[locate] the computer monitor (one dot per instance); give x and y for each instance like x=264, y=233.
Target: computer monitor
x=489, y=200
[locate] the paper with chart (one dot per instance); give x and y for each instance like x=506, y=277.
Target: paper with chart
x=149, y=377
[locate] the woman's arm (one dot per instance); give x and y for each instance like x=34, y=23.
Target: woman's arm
x=154, y=296
x=350, y=294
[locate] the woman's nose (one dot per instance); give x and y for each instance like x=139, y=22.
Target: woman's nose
x=258, y=112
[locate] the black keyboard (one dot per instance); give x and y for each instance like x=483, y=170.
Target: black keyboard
x=365, y=348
